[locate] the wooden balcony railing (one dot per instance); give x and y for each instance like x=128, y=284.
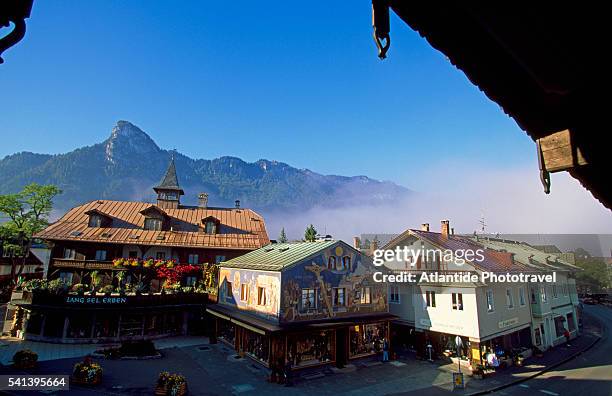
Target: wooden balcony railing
x=82, y=264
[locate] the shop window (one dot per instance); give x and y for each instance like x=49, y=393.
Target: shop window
x=309, y=301
x=173, y=322
x=261, y=296
x=152, y=324
x=69, y=254
x=346, y=263
x=543, y=294
x=430, y=299
x=54, y=325
x=509, y=299
x=534, y=299
x=457, y=301
x=522, y=296
x=554, y=291
x=339, y=296
x=191, y=280
x=106, y=325
x=366, y=295
x=160, y=255
x=559, y=328
x=311, y=348
x=79, y=326
x=131, y=325
x=193, y=259
x=34, y=325
x=101, y=255
x=244, y=292
x=257, y=346
x=132, y=254
x=366, y=339
x=331, y=263
x=153, y=224
x=394, y=294
x=538, y=337
x=571, y=326
x=490, y=301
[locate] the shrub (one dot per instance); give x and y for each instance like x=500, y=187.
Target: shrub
x=35, y=285
x=25, y=357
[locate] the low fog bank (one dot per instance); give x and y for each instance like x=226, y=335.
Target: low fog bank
x=509, y=201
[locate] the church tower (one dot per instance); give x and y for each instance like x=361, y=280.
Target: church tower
x=168, y=191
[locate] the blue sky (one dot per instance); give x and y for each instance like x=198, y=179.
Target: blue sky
x=294, y=82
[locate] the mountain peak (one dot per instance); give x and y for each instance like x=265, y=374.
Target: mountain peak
x=127, y=138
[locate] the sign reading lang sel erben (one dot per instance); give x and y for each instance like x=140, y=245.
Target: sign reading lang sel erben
x=96, y=300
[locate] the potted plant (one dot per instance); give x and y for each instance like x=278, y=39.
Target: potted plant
x=25, y=359
x=120, y=278
x=87, y=372
x=107, y=290
x=57, y=287
x=478, y=371
x=170, y=384
x=79, y=288
x=95, y=281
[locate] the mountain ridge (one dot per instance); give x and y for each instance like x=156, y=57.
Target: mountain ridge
x=128, y=163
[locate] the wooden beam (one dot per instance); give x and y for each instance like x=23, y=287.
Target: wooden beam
x=559, y=152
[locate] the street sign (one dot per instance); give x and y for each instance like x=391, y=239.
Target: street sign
x=458, y=382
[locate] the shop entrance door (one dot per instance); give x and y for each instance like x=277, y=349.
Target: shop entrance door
x=341, y=345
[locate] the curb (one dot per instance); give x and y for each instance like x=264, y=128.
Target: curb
x=537, y=374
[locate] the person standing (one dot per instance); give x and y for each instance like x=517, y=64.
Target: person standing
x=385, y=349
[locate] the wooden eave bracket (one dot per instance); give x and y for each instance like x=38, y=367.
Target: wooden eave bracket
x=557, y=152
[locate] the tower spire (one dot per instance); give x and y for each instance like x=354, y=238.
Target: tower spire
x=168, y=191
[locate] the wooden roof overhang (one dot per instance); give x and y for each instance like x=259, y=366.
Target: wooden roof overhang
x=542, y=64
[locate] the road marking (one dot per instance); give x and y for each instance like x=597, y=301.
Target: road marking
x=549, y=392
x=524, y=386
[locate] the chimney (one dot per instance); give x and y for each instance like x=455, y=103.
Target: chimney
x=425, y=227
x=237, y=202
x=203, y=200
x=356, y=243
x=445, y=228
x=374, y=244
x=453, y=231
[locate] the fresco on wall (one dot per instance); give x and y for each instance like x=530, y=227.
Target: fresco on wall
x=266, y=305
x=310, y=288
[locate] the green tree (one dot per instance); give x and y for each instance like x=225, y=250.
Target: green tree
x=28, y=213
x=310, y=235
x=282, y=238
x=594, y=277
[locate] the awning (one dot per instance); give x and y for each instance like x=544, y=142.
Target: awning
x=502, y=333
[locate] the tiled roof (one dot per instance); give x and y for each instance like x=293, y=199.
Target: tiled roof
x=529, y=255
x=239, y=228
x=278, y=256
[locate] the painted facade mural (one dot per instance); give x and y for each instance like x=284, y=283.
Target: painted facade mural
x=254, y=291
x=336, y=283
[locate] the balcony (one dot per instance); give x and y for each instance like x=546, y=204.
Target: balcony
x=82, y=264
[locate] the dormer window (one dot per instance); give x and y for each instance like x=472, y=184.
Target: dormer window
x=153, y=224
x=95, y=221
x=98, y=219
x=211, y=225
